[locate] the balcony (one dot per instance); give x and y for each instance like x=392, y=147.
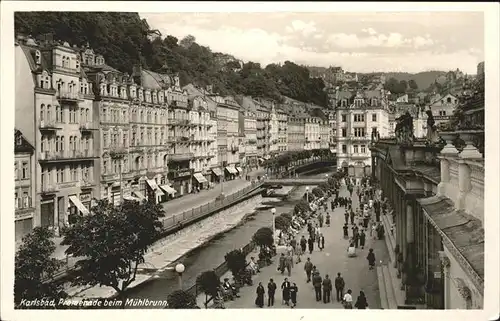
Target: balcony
x=67, y=96
x=49, y=189
x=70, y=155
x=355, y=156
x=86, y=128
x=178, y=122
x=86, y=184
x=117, y=151
x=49, y=126
x=178, y=156
x=178, y=104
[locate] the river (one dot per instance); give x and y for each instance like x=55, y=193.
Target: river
x=211, y=254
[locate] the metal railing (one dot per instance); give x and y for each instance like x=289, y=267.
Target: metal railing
x=177, y=221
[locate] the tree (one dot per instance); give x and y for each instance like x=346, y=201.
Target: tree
x=318, y=192
x=112, y=242
x=302, y=207
x=34, y=267
x=180, y=299
x=263, y=237
x=282, y=223
x=208, y=282
x=413, y=84
x=187, y=41
x=236, y=262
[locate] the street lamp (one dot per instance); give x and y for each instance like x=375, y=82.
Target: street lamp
x=273, y=211
x=179, y=268
x=307, y=193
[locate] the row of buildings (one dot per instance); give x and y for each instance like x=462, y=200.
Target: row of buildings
x=86, y=131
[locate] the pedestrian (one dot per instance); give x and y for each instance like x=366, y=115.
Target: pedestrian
x=271, y=290
x=346, y=231
x=327, y=221
x=327, y=289
x=303, y=243
x=339, y=287
x=371, y=259
x=347, y=300
x=321, y=242
x=281, y=266
x=317, y=281
x=285, y=288
x=308, y=267
x=293, y=294
x=373, y=231
x=310, y=243
x=356, y=239
x=346, y=216
x=259, y=301
x=293, y=243
x=362, y=239
x=320, y=219
x=289, y=264
x=352, y=217
x=361, y=302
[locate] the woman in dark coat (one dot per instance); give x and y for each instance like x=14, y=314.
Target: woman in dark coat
x=362, y=239
x=259, y=301
x=293, y=294
x=310, y=243
x=327, y=221
x=371, y=259
x=361, y=302
x=346, y=231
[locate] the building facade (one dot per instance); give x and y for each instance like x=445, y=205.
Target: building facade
x=54, y=111
x=282, y=131
x=24, y=168
x=228, y=135
x=442, y=107
x=248, y=120
x=324, y=134
x=273, y=130
x=263, y=134
x=312, y=133
x=358, y=115
x=296, y=134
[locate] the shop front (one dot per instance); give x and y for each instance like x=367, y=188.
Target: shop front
x=199, y=181
x=181, y=180
x=231, y=172
x=240, y=171
x=47, y=208
x=76, y=208
x=169, y=192
x=154, y=193
x=216, y=175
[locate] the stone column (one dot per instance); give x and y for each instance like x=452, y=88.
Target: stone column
x=410, y=261
x=464, y=184
x=373, y=167
x=445, y=175
x=445, y=266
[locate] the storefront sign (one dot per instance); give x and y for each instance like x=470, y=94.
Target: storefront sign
x=181, y=173
x=85, y=197
x=68, y=185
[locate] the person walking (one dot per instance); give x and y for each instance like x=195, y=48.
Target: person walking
x=259, y=301
x=361, y=302
x=347, y=300
x=351, y=216
x=339, y=287
x=346, y=231
x=282, y=261
x=321, y=242
x=293, y=243
x=271, y=290
x=303, y=244
x=362, y=239
x=308, y=267
x=327, y=221
x=317, y=281
x=285, y=288
x=310, y=243
x=327, y=289
x=320, y=219
x=293, y=294
x=289, y=264
x=371, y=259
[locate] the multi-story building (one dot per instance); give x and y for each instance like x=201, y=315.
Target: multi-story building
x=211, y=171
x=324, y=134
x=312, y=133
x=54, y=112
x=282, y=130
x=248, y=126
x=442, y=107
x=262, y=130
x=273, y=130
x=296, y=134
x=358, y=115
x=24, y=167
x=227, y=134
x=332, y=123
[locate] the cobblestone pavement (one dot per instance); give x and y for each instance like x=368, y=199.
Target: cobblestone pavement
x=331, y=260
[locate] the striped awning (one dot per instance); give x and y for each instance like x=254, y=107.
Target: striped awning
x=79, y=205
x=231, y=170
x=200, y=178
x=168, y=189
x=139, y=195
x=217, y=171
x=239, y=169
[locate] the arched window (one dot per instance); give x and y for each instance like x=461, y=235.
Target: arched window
x=38, y=57
x=448, y=100
x=48, y=113
x=42, y=112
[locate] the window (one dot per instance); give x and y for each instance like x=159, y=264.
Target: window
x=105, y=140
x=344, y=149
x=442, y=113
x=374, y=117
x=344, y=103
x=73, y=173
x=60, y=175
x=124, y=140
x=363, y=149
x=105, y=166
x=448, y=100
x=374, y=129
x=355, y=148
x=344, y=132
x=63, y=142
x=42, y=112
x=15, y=170
x=344, y=118
x=359, y=118
x=359, y=132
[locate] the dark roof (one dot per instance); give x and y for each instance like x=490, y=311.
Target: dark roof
x=464, y=231
x=429, y=171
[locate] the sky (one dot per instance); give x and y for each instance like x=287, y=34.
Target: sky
x=358, y=42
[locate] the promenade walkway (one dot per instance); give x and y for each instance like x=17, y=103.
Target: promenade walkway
x=331, y=260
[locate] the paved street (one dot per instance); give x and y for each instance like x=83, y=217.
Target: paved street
x=331, y=260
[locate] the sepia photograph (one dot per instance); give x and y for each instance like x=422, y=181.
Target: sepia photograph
x=249, y=160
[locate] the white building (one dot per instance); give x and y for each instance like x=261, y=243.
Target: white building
x=312, y=133
x=358, y=115
x=442, y=107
